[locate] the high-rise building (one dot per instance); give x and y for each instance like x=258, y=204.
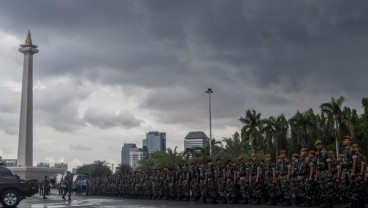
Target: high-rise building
x=195, y=139
x=10, y=162
x=125, y=152
x=43, y=165
x=135, y=155
x=62, y=166
x=155, y=141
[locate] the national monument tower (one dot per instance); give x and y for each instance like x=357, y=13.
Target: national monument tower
x=25, y=144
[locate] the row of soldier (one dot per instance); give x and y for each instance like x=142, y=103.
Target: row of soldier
x=310, y=178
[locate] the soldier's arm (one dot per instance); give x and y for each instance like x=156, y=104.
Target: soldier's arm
x=362, y=168
x=258, y=174
x=329, y=166
x=353, y=170
x=311, y=171
x=289, y=172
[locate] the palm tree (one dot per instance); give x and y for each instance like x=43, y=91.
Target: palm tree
x=100, y=168
x=275, y=130
x=252, y=129
x=300, y=124
x=333, y=110
x=123, y=169
x=234, y=146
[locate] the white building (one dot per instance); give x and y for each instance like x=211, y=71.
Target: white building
x=135, y=155
x=195, y=139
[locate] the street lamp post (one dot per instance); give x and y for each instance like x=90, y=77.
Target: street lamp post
x=209, y=92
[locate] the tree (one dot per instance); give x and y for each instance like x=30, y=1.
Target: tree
x=334, y=113
x=275, y=130
x=362, y=128
x=100, y=168
x=123, y=169
x=300, y=124
x=252, y=129
x=234, y=147
x=84, y=169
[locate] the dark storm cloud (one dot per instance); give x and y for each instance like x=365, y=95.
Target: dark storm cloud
x=242, y=49
x=105, y=120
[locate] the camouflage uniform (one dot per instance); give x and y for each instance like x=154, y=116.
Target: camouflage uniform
x=284, y=186
x=243, y=177
x=220, y=180
x=194, y=182
x=202, y=182
x=324, y=180
x=255, y=184
x=305, y=186
x=186, y=183
x=231, y=186
x=212, y=193
x=269, y=185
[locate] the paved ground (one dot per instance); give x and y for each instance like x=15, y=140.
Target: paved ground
x=55, y=201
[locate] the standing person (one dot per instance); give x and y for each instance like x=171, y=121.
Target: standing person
x=348, y=170
x=284, y=178
x=269, y=175
x=46, y=187
x=324, y=174
x=68, y=182
x=294, y=185
x=255, y=179
x=358, y=184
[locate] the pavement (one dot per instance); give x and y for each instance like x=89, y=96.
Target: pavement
x=55, y=201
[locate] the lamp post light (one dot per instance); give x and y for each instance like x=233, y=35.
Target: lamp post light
x=209, y=92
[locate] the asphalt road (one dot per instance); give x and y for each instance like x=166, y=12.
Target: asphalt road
x=55, y=201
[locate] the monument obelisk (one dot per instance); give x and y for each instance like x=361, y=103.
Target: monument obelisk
x=25, y=145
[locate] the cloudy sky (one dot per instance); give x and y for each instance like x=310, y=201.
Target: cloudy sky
x=110, y=71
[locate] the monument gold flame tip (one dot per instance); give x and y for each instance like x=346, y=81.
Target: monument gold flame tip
x=29, y=38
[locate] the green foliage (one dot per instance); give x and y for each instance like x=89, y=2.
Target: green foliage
x=84, y=169
x=97, y=169
x=269, y=136
x=123, y=169
x=159, y=160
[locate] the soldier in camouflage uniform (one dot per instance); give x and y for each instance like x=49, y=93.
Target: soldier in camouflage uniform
x=194, y=182
x=202, y=182
x=243, y=178
x=255, y=180
x=231, y=182
x=294, y=183
x=167, y=183
x=324, y=174
x=212, y=193
x=269, y=180
x=306, y=175
x=186, y=183
x=220, y=180
x=284, y=179
x=348, y=170
x=359, y=189
x=178, y=183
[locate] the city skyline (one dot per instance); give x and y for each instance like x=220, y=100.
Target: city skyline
x=111, y=71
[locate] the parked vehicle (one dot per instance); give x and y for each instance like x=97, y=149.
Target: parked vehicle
x=13, y=189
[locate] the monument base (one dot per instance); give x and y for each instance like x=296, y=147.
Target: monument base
x=39, y=173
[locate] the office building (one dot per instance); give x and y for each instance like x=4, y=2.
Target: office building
x=155, y=141
x=62, y=166
x=195, y=139
x=125, y=152
x=135, y=155
x=10, y=162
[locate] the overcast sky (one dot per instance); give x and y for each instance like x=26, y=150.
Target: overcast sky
x=110, y=71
